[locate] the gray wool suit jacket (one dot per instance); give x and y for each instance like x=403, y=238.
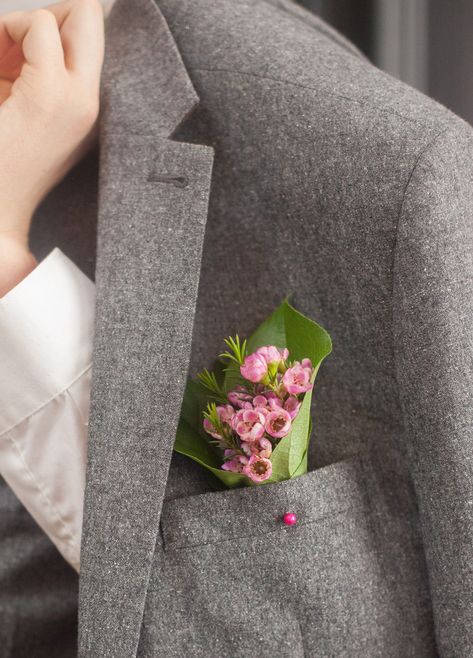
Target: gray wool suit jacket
x=248, y=151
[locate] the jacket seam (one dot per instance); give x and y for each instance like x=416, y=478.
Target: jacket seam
x=417, y=162
x=176, y=545
x=332, y=94
x=419, y=158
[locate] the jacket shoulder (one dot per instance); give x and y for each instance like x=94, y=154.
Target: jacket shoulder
x=274, y=41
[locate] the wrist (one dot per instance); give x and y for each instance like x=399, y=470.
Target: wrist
x=16, y=260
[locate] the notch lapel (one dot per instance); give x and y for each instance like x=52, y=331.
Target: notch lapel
x=152, y=212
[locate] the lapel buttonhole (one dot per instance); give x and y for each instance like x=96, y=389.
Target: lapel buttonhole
x=174, y=179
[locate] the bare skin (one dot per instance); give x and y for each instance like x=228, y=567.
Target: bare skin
x=50, y=64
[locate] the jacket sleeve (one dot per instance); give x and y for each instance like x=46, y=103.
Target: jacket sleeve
x=46, y=332
x=433, y=345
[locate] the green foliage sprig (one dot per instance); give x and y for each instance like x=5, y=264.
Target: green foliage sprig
x=209, y=380
x=237, y=350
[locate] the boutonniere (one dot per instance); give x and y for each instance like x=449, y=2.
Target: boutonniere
x=248, y=421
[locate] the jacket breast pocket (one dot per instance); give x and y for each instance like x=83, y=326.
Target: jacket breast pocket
x=230, y=579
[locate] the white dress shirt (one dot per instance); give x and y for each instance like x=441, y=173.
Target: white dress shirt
x=46, y=334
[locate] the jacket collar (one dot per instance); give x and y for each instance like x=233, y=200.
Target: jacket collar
x=145, y=86
x=153, y=196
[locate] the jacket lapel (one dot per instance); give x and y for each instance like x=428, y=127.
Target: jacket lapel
x=152, y=213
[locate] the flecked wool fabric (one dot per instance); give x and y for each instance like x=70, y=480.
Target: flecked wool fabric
x=231, y=580
x=301, y=169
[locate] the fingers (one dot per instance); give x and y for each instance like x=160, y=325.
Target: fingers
x=81, y=25
x=68, y=34
x=38, y=34
x=6, y=42
x=11, y=62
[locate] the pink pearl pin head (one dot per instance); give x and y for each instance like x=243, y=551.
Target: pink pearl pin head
x=289, y=518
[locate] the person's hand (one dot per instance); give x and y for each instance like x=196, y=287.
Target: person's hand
x=50, y=64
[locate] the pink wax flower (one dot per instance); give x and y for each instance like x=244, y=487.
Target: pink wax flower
x=275, y=402
x=211, y=429
x=236, y=465
x=268, y=402
x=239, y=397
x=272, y=354
x=266, y=448
x=278, y=423
x=260, y=404
x=225, y=413
x=297, y=379
x=292, y=406
x=249, y=424
x=249, y=448
x=263, y=446
x=307, y=363
x=258, y=468
x=254, y=368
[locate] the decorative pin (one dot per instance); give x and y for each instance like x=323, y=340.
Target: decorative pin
x=289, y=518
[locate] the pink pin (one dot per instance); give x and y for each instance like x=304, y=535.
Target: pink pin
x=289, y=518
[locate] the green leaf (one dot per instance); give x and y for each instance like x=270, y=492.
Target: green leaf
x=191, y=439
x=209, y=381
x=289, y=452
x=289, y=458
x=289, y=328
x=194, y=445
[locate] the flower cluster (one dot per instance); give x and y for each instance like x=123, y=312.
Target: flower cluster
x=258, y=413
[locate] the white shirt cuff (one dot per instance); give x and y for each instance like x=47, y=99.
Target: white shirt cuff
x=46, y=333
